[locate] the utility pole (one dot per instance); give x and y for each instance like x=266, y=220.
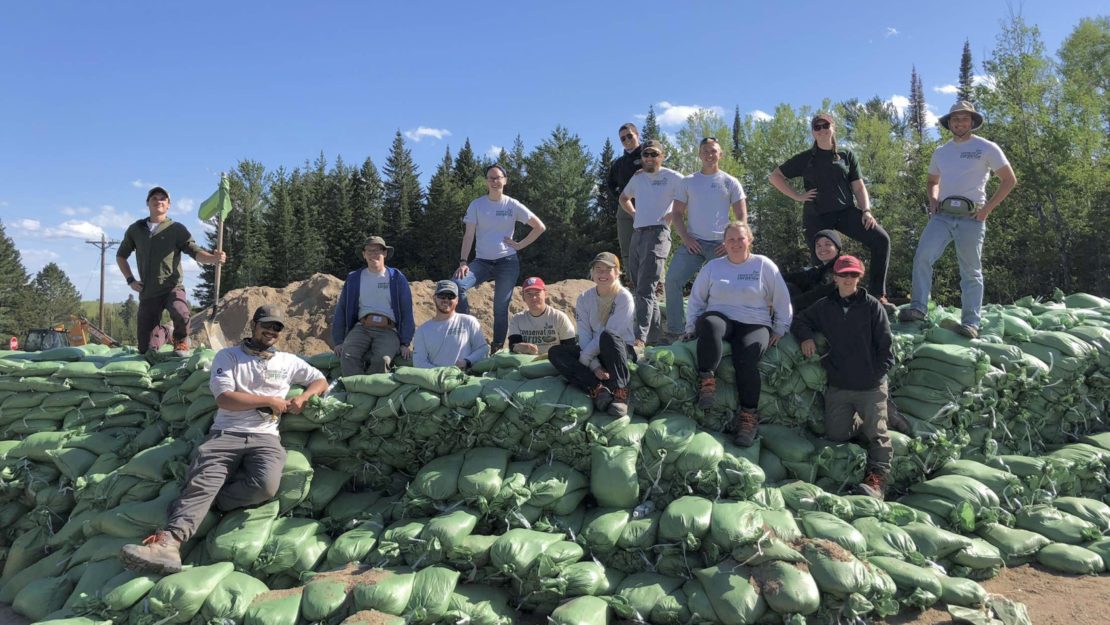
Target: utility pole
x=104, y=244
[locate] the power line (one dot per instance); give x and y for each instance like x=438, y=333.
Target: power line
x=104, y=244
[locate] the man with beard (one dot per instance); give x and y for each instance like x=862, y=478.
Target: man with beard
x=620, y=172
x=250, y=382
x=449, y=338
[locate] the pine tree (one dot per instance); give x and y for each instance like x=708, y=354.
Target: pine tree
x=282, y=231
x=467, y=167
x=737, y=133
x=966, y=67
x=651, y=126
x=13, y=283
x=446, y=205
x=404, y=201
x=55, y=297
x=366, y=204
x=342, y=236
x=915, y=114
x=128, y=310
x=513, y=162
x=604, y=218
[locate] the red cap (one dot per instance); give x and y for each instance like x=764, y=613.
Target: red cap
x=533, y=283
x=848, y=264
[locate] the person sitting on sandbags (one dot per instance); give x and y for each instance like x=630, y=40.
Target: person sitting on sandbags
x=808, y=285
x=250, y=382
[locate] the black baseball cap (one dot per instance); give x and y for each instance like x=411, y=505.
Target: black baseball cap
x=268, y=312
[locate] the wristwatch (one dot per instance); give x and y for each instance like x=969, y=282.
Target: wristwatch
x=130, y=279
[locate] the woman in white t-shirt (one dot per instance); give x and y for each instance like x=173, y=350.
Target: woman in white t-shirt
x=490, y=225
x=740, y=298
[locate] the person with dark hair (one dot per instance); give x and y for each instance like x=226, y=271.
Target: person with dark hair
x=740, y=298
x=620, y=172
x=835, y=196
x=239, y=464
x=158, y=242
x=860, y=355
x=598, y=364
x=449, y=338
x=490, y=226
x=373, y=319
x=814, y=282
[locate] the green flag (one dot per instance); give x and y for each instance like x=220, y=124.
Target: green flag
x=219, y=203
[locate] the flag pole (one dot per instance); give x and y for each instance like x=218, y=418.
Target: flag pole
x=219, y=251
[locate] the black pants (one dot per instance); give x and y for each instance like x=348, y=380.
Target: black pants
x=614, y=357
x=748, y=341
x=850, y=223
x=150, y=315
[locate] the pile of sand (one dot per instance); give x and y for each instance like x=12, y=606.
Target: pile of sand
x=310, y=304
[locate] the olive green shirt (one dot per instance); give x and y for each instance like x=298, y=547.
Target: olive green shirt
x=158, y=254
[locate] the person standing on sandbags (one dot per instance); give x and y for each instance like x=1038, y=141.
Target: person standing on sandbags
x=860, y=355
x=449, y=338
x=158, y=242
x=373, y=319
x=620, y=172
x=250, y=382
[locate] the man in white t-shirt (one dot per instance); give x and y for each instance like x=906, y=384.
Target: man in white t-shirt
x=701, y=212
x=541, y=327
x=449, y=338
x=654, y=189
x=250, y=382
x=958, y=211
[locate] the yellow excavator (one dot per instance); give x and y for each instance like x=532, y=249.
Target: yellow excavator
x=80, y=331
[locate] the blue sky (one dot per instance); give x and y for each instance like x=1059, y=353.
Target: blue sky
x=101, y=100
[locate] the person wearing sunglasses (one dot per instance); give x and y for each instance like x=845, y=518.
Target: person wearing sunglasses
x=620, y=172
x=701, y=210
x=490, y=226
x=835, y=197
x=653, y=188
x=239, y=464
x=449, y=339
x=859, y=357
x=540, y=327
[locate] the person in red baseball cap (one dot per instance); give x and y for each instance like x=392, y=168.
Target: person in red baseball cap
x=859, y=357
x=541, y=327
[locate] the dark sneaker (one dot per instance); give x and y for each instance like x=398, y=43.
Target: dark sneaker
x=745, y=427
x=707, y=392
x=895, y=420
x=911, y=314
x=160, y=553
x=618, y=407
x=874, y=485
x=602, y=398
x=968, y=330
x=181, y=348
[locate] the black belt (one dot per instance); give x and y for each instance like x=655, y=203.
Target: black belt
x=659, y=227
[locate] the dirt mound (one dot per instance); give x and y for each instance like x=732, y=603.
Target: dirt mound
x=310, y=304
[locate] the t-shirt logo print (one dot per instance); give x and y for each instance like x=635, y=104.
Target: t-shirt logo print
x=972, y=154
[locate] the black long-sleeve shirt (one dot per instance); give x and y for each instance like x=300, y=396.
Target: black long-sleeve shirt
x=620, y=172
x=860, y=343
x=809, y=285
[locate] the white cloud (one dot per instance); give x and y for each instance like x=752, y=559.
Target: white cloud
x=761, y=116
x=184, y=206
x=204, y=227
x=930, y=117
x=37, y=257
x=946, y=89
x=142, y=184
x=891, y=32
x=26, y=226
x=900, y=103
x=74, y=229
x=423, y=131
x=111, y=219
x=188, y=265
x=494, y=152
x=986, y=81
x=676, y=114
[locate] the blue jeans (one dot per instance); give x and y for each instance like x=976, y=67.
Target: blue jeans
x=684, y=265
x=968, y=234
x=504, y=272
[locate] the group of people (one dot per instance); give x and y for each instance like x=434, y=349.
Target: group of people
x=738, y=297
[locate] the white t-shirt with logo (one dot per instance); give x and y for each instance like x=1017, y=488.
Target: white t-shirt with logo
x=494, y=221
x=654, y=193
x=544, y=331
x=708, y=201
x=443, y=342
x=373, y=294
x=235, y=370
x=964, y=168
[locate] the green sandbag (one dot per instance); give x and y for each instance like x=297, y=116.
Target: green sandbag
x=980, y=554
x=786, y=443
x=444, y=533
x=76, y=620
x=482, y=472
x=887, y=539
x=769, y=549
x=241, y=534
x=1056, y=525
x=581, y=611
x=326, y=484
x=438, y=480
x=557, y=487
x=822, y=525
x=390, y=594
x=36, y=446
x=613, y=480
x=603, y=528
x=136, y=519
x=1012, y=543
x=180, y=596
x=962, y=592
x=1071, y=559
x=1102, y=548
x=835, y=569
x=277, y=607
x=909, y=577
x=803, y=496
x=376, y=384
x=323, y=597
x=126, y=589
x=735, y=600
x=515, y=552
x=155, y=463
x=686, y=521
x=42, y=596
x=1004, y=484
x=73, y=463
x=667, y=435
x=957, y=488
x=788, y=589
x=478, y=604
x=639, y=593
x=90, y=583
x=354, y=545
x=296, y=481
x=431, y=594
x=292, y=540
x=933, y=542
x=229, y=600
x=1090, y=510
x=734, y=524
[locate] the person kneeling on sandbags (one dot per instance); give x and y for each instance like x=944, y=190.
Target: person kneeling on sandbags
x=860, y=355
x=250, y=382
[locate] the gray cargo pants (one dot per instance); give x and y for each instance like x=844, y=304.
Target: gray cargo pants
x=368, y=350
x=850, y=414
x=254, y=463
x=650, y=248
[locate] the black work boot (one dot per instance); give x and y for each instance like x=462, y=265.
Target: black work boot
x=745, y=427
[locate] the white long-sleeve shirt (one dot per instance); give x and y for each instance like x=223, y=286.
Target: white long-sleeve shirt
x=588, y=316
x=750, y=292
x=442, y=343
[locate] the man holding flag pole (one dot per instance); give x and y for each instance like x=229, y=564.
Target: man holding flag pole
x=158, y=242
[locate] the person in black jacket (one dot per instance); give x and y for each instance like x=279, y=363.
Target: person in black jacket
x=860, y=355
x=812, y=283
x=620, y=172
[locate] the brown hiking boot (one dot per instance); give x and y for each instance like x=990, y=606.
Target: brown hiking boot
x=896, y=421
x=602, y=397
x=707, y=391
x=745, y=427
x=619, y=405
x=874, y=485
x=911, y=314
x=160, y=553
x=181, y=348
